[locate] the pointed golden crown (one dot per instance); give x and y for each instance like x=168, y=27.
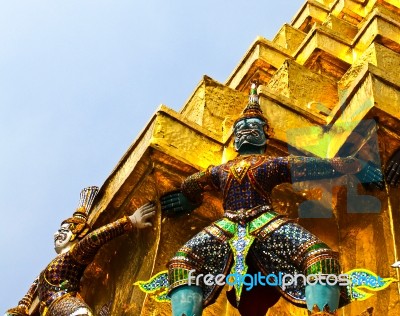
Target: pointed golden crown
x=253, y=108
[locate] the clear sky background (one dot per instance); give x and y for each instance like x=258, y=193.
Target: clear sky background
x=79, y=79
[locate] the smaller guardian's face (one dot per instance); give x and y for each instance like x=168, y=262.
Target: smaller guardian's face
x=249, y=135
x=62, y=237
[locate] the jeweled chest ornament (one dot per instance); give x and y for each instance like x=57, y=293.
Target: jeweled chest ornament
x=240, y=169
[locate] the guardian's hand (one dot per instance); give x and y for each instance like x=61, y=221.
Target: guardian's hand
x=175, y=203
x=392, y=171
x=371, y=175
x=140, y=219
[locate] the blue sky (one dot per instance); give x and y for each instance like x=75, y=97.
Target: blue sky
x=78, y=82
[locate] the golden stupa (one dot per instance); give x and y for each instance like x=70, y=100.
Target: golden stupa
x=336, y=63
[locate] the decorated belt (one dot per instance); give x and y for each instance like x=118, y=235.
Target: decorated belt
x=253, y=227
x=63, y=286
x=245, y=215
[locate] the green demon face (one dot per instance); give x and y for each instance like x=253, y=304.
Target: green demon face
x=249, y=134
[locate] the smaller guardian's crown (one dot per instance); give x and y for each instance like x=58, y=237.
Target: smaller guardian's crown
x=78, y=221
x=86, y=199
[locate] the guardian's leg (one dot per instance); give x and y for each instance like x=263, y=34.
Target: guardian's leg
x=206, y=253
x=293, y=251
x=187, y=301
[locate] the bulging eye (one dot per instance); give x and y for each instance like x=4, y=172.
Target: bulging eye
x=254, y=124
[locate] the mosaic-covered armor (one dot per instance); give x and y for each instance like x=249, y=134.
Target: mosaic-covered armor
x=251, y=227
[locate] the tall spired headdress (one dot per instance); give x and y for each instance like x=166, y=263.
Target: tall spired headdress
x=253, y=108
x=85, y=201
x=78, y=221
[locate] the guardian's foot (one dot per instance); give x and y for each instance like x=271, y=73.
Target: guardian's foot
x=322, y=299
